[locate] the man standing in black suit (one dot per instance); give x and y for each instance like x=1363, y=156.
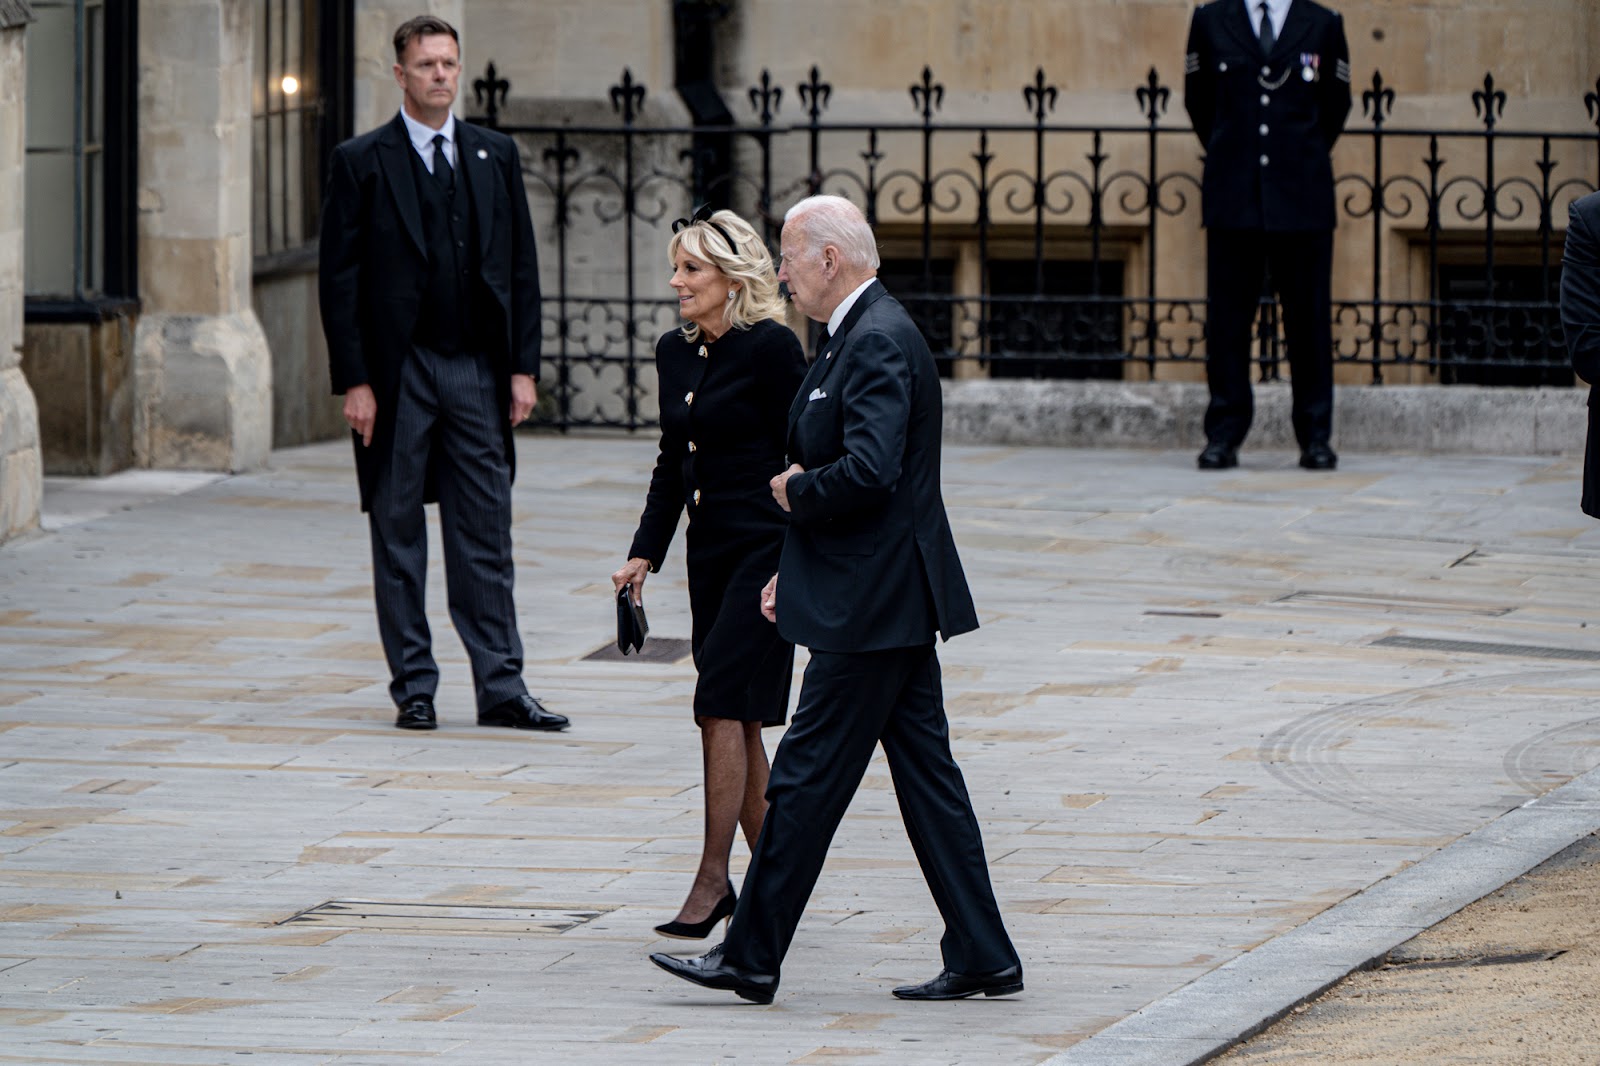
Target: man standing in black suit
x=869, y=573
x=1267, y=86
x=430, y=302
x=1580, y=322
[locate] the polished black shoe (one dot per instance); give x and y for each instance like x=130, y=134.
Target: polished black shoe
x=416, y=713
x=701, y=930
x=522, y=712
x=709, y=971
x=1218, y=456
x=1318, y=457
x=950, y=985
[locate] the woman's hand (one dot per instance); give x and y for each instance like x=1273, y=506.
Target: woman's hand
x=635, y=571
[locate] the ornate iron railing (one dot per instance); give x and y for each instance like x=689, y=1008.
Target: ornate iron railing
x=1046, y=248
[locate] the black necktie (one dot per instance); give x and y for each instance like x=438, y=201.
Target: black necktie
x=441, y=164
x=1268, y=38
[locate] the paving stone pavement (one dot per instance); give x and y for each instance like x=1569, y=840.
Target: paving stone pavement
x=1202, y=710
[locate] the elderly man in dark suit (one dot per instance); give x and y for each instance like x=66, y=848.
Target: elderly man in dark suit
x=1580, y=321
x=1267, y=86
x=868, y=575
x=430, y=303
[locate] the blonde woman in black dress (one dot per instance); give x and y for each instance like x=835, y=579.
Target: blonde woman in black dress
x=727, y=378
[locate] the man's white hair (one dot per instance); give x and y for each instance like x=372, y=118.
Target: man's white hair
x=834, y=220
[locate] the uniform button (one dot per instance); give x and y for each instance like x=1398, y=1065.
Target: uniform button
x=1263, y=160
x=1263, y=129
x=1265, y=99
x=697, y=496
x=688, y=398
x=1265, y=71
x=692, y=447
x=1222, y=67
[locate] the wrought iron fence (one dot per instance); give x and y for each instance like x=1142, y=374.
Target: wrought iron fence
x=1045, y=248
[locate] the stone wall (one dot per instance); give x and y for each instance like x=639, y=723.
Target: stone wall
x=21, y=468
x=84, y=373
x=303, y=406
x=202, y=368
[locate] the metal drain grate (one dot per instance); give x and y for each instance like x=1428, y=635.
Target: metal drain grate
x=441, y=917
x=1525, y=651
x=1372, y=601
x=655, y=650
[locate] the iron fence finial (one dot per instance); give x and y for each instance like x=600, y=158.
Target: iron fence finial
x=1152, y=96
x=1488, y=103
x=1378, y=101
x=490, y=92
x=627, y=97
x=1040, y=96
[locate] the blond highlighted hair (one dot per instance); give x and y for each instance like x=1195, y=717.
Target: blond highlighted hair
x=747, y=262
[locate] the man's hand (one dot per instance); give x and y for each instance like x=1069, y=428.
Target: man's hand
x=769, y=600
x=524, y=395
x=780, y=487
x=361, y=411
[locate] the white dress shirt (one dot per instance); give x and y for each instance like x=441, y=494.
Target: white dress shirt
x=1277, y=11
x=422, y=139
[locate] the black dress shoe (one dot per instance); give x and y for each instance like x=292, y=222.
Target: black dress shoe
x=1318, y=456
x=709, y=971
x=522, y=712
x=1218, y=456
x=951, y=985
x=701, y=930
x=416, y=713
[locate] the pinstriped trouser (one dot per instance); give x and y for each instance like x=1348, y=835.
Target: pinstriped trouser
x=447, y=410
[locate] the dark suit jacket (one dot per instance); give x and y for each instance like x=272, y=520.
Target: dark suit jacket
x=869, y=562
x=1580, y=322
x=374, y=264
x=1245, y=108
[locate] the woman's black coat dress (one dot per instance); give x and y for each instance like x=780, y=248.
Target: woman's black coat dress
x=724, y=418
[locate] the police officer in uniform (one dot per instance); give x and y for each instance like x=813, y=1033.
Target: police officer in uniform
x=1267, y=86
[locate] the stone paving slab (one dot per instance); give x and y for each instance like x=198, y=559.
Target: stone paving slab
x=1185, y=741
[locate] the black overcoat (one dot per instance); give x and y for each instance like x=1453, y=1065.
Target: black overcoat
x=374, y=266
x=869, y=562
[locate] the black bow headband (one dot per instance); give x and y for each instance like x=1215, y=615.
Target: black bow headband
x=703, y=214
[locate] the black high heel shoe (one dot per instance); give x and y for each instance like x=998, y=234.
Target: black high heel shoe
x=701, y=930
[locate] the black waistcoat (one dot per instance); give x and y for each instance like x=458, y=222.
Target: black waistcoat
x=456, y=311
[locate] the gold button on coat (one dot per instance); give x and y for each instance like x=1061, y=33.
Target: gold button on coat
x=696, y=495
x=688, y=398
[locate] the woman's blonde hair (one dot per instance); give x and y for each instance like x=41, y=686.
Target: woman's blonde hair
x=747, y=262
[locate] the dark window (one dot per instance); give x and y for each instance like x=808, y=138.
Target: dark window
x=1061, y=318
x=926, y=294
x=79, y=172
x=301, y=109
x=1505, y=334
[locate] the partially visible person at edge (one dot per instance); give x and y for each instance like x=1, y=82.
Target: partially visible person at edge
x=429, y=291
x=868, y=575
x=727, y=378
x=1580, y=322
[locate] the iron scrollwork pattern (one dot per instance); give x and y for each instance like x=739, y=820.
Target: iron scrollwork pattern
x=1033, y=245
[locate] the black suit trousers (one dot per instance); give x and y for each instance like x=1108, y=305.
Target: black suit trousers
x=447, y=412
x=849, y=703
x=1300, y=266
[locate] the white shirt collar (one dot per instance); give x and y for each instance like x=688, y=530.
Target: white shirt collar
x=836, y=319
x=1277, y=11
x=422, y=137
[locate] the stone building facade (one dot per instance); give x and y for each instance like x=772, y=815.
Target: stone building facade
x=20, y=460
x=196, y=344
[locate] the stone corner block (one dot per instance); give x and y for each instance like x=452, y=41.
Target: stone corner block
x=21, y=466
x=203, y=392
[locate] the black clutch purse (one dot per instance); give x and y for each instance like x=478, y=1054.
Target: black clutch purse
x=631, y=625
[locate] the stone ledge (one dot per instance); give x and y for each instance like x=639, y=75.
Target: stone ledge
x=1453, y=419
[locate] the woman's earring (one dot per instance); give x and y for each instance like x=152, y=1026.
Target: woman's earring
x=730, y=293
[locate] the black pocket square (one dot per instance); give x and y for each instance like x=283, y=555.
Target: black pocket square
x=631, y=625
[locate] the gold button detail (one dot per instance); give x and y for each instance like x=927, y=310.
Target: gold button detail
x=691, y=446
x=697, y=496
x=688, y=398
x=703, y=352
